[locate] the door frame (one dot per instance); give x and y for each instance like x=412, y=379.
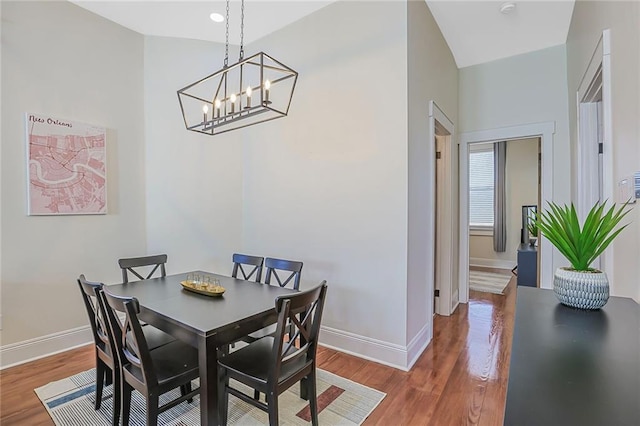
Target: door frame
x=447, y=232
x=600, y=63
x=545, y=132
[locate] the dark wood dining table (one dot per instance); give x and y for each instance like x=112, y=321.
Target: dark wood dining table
x=204, y=322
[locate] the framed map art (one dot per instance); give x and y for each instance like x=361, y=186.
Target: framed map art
x=66, y=163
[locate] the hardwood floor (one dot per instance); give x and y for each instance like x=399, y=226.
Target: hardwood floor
x=460, y=379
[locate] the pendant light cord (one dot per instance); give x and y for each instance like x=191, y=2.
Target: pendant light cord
x=226, y=45
x=242, y=30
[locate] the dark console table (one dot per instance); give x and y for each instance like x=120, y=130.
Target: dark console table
x=573, y=367
x=527, y=265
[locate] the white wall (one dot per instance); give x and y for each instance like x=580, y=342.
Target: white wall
x=432, y=75
x=523, y=89
x=194, y=181
x=590, y=18
x=522, y=190
x=328, y=184
x=60, y=59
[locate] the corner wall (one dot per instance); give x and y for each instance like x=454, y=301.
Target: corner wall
x=194, y=181
x=589, y=19
x=60, y=59
x=432, y=75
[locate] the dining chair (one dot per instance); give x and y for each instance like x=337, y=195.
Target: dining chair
x=242, y=259
x=129, y=265
x=152, y=372
x=276, y=266
x=107, y=364
x=273, y=364
x=294, y=268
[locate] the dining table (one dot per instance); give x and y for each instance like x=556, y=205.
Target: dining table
x=207, y=323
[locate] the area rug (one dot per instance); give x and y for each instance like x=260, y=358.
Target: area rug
x=489, y=282
x=70, y=401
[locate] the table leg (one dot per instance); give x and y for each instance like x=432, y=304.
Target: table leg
x=208, y=363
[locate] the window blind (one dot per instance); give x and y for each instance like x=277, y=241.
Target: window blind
x=481, y=189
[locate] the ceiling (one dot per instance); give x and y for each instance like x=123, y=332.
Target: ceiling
x=476, y=31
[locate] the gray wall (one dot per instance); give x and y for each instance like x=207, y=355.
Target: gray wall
x=590, y=18
x=328, y=184
x=432, y=75
x=62, y=60
x=194, y=181
x=523, y=89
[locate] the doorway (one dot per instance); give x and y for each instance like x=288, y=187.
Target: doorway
x=545, y=132
x=504, y=189
x=445, y=201
x=593, y=100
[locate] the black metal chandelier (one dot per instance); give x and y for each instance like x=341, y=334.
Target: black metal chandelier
x=253, y=90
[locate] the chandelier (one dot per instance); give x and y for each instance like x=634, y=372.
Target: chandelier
x=253, y=90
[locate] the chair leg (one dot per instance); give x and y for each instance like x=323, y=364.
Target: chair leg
x=272, y=402
x=109, y=378
x=152, y=409
x=117, y=397
x=185, y=389
x=126, y=402
x=313, y=397
x=101, y=371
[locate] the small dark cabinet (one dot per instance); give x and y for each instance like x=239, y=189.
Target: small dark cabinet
x=528, y=265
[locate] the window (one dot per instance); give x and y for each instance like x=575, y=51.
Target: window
x=481, y=171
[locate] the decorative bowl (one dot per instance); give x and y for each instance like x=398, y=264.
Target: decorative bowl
x=207, y=290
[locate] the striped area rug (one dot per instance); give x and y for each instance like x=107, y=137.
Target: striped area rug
x=70, y=401
x=489, y=282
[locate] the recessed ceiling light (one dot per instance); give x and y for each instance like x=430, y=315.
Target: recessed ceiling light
x=216, y=17
x=507, y=8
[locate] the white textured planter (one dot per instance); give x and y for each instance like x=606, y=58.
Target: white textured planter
x=584, y=290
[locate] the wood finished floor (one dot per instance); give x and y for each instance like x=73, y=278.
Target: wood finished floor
x=460, y=379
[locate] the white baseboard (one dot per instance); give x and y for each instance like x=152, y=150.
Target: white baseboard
x=492, y=263
x=40, y=347
x=418, y=345
x=391, y=354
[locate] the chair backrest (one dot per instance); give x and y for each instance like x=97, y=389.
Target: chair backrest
x=243, y=259
x=299, y=316
x=274, y=265
x=89, y=291
x=129, y=264
x=128, y=336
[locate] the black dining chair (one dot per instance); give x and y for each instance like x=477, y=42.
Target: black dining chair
x=242, y=259
x=273, y=364
x=152, y=372
x=275, y=267
x=294, y=270
x=134, y=265
x=107, y=363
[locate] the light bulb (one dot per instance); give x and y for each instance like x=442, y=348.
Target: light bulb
x=232, y=98
x=205, y=109
x=267, y=85
x=217, y=103
x=248, y=92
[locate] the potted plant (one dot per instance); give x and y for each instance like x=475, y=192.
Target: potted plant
x=581, y=286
